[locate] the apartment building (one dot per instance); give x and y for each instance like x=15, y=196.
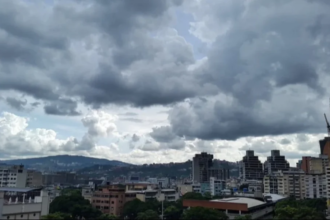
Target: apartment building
x=254, y=185
x=275, y=162
x=315, y=186
x=327, y=177
x=58, y=177
x=219, y=173
x=286, y=183
x=111, y=199
x=216, y=186
x=325, y=146
x=34, y=178
x=200, y=167
x=251, y=167
x=23, y=203
x=13, y=176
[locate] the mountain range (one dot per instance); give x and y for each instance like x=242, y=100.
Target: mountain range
x=95, y=167
x=63, y=162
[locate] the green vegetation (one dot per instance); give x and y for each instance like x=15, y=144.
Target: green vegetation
x=200, y=213
x=300, y=209
x=57, y=216
x=243, y=217
x=71, y=205
x=148, y=215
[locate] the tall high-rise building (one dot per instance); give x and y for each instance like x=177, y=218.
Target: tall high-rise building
x=200, y=167
x=251, y=167
x=275, y=163
x=325, y=146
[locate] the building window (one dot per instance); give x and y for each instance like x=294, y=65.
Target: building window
x=21, y=216
x=112, y=202
x=34, y=214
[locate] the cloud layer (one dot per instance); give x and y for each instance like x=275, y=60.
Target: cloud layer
x=263, y=71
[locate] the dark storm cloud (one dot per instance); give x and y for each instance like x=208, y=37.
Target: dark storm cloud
x=163, y=134
x=62, y=107
x=141, y=61
x=265, y=72
x=18, y=104
x=267, y=65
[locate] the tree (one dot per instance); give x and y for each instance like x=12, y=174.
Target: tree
x=193, y=195
x=172, y=212
x=132, y=208
x=243, y=217
x=57, y=216
x=74, y=205
x=297, y=213
x=107, y=217
x=207, y=195
x=148, y=215
x=305, y=208
x=202, y=213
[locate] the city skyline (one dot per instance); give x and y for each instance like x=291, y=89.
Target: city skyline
x=161, y=81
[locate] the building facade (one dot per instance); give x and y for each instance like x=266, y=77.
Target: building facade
x=286, y=183
x=200, y=167
x=216, y=186
x=251, y=167
x=111, y=199
x=23, y=203
x=34, y=178
x=219, y=173
x=13, y=176
x=325, y=146
x=275, y=162
x=315, y=186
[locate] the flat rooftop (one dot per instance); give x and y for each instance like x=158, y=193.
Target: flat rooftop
x=249, y=201
x=14, y=189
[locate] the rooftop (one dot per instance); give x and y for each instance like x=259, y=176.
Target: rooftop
x=167, y=190
x=140, y=191
x=14, y=189
x=250, y=202
x=275, y=197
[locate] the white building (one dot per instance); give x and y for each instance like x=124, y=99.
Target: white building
x=13, y=176
x=163, y=182
x=315, y=186
x=327, y=175
x=254, y=185
x=23, y=203
x=216, y=186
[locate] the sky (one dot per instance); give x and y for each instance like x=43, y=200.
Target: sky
x=150, y=81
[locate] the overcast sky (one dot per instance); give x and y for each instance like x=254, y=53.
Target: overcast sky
x=157, y=81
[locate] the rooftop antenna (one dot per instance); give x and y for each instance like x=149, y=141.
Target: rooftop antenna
x=326, y=120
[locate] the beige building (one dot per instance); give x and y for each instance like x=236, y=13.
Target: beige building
x=87, y=193
x=111, y=199
x=34, y=178
x=185, y=188
x=286, y=183
x=161, y=195
x=23, y=203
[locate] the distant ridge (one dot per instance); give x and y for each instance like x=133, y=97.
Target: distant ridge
x=63, y=162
